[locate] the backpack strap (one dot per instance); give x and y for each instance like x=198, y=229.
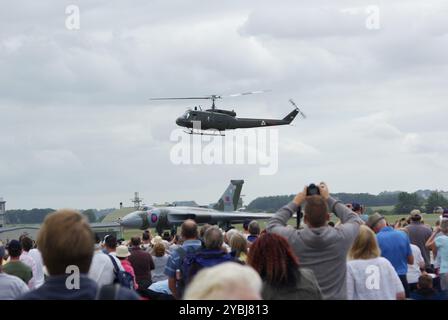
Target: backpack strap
x=107, y=292
x=116, y=267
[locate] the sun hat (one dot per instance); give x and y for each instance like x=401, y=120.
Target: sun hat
x=122, y=252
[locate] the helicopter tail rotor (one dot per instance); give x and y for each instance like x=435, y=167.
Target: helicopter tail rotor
x=297, y=108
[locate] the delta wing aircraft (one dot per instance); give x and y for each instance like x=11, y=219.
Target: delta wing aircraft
x=223, y=213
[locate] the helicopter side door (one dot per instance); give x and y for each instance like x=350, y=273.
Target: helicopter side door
x=220, y=121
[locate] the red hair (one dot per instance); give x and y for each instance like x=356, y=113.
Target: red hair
x=272, y=257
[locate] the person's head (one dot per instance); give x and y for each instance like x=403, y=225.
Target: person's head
x=189, y=230
x=166, y=236
x=416, y=215
x=122, y=252
x=424, y=282
x=229, y=234
x=203, y=229
x=272, y=257
x=376, y=222
x=65, y=239
x=226, y=281
x=159, y=249
x=254, y=228
x=14, y=249
x=213, y=238
x=356, y=207
x=135, y=241
x=246, y=225
x=238, y=244
x=365, y=245
x=316, y=211
x=27, y=243
x=110, y=242
x=146, y=236
x=444, y=226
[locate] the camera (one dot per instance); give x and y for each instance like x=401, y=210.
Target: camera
x=312, y=190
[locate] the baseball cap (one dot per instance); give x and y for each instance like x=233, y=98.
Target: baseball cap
x=416, y=213
x=374, y=219
x=356, y=206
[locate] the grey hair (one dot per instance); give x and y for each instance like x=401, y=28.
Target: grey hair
x=228, y=280
x=213, y=238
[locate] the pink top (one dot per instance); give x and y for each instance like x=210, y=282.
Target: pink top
x=128, y=268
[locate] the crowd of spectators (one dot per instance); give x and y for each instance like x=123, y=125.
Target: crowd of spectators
x=359, y=257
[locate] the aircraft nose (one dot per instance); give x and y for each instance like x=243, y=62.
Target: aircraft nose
x=132, y=220
x=180, y=122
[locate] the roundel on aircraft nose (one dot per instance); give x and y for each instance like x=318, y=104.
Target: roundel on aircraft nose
x=153, y=218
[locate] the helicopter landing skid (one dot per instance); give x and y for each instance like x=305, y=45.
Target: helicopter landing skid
x=202, y=133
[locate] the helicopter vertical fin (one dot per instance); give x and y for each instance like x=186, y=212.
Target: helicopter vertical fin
x=290, y=117
x=231, y=196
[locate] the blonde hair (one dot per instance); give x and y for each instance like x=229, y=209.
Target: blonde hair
x=365, y=245
x=159, y=249
x=238, y=243
x=226, y=281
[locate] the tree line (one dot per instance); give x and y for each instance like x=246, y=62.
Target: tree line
x=402, y=202
x=37, y=216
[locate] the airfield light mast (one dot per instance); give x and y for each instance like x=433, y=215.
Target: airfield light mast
x=137, y=200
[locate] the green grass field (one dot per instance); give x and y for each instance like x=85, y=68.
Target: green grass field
x=385, y=208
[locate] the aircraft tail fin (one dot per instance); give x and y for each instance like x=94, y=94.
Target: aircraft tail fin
x=291, y=116
x=230, y=198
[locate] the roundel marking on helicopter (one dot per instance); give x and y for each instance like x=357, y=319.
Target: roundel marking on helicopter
x=153, y=217
x=263, y=123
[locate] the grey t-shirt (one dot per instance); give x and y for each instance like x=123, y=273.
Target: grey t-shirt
x=11, y=287
x=323, y=250
x=418, y=235
x=159, y=264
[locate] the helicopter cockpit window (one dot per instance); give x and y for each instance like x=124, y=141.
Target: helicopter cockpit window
x=187, y=115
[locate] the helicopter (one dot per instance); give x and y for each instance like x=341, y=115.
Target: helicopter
x=198, y=121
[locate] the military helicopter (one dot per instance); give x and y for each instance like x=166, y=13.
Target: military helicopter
x=199, y=121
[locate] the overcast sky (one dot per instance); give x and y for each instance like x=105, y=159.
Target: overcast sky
x=77, y=128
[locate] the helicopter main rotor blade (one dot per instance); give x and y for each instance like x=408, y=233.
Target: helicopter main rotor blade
x=247, y=93
x=182, y=98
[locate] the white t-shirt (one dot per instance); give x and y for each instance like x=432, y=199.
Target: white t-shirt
x=102, y=269
x=39, y=275
x=11, y=287
x=414, y=270
x=372, y=279
x=29, y=261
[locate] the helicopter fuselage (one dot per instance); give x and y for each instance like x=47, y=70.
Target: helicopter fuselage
x=221, y=120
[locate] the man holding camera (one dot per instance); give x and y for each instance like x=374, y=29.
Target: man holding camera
x=318, y=246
